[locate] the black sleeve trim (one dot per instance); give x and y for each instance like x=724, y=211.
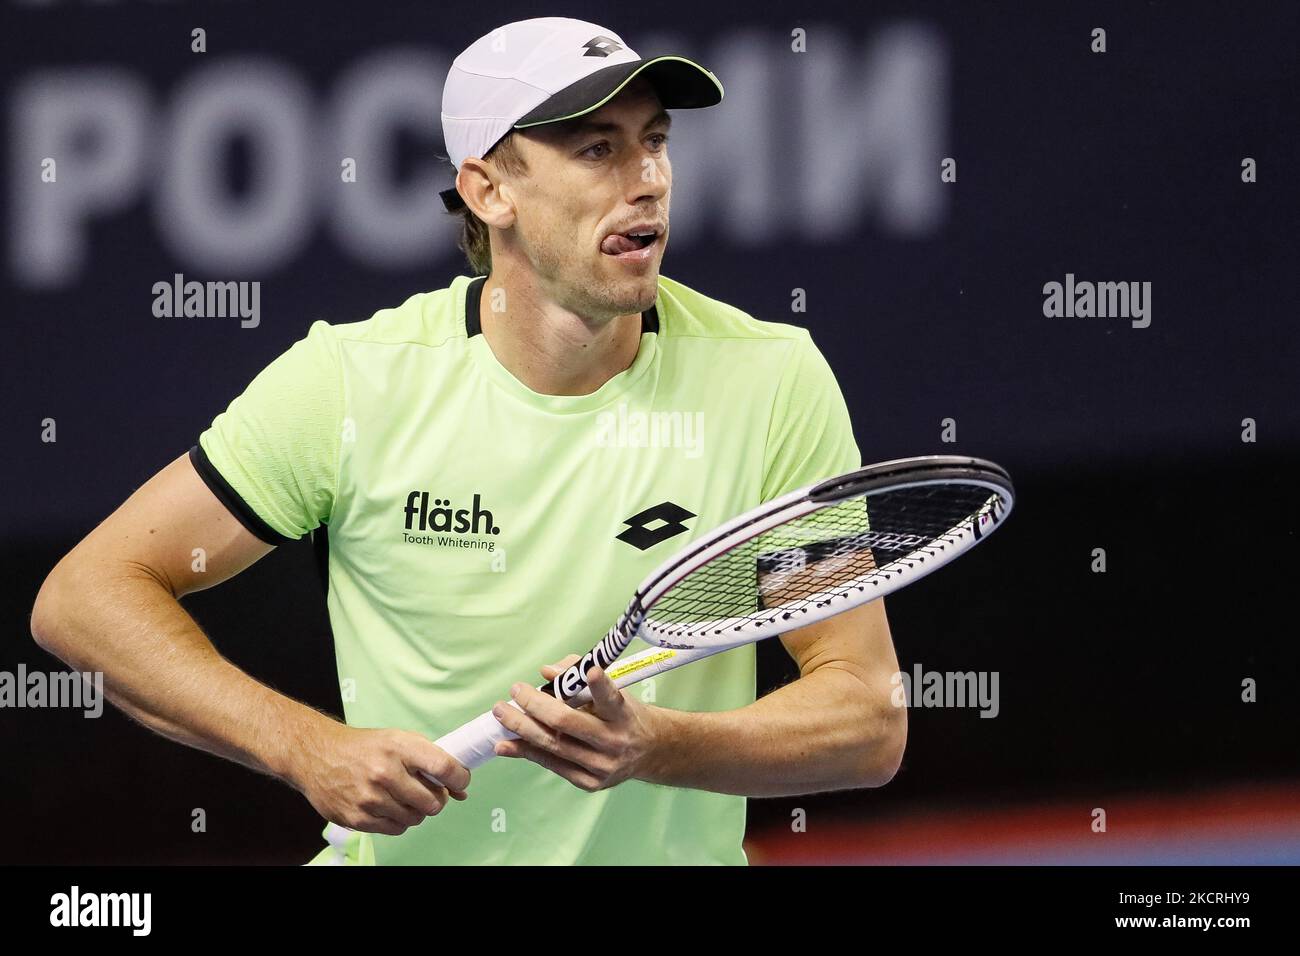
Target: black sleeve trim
x=230, y=498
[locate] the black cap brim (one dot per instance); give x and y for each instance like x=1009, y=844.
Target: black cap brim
x=680, y=84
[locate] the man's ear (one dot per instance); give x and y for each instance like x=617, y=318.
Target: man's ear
x=481, y=187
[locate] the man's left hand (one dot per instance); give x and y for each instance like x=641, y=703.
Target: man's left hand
x=595, y=747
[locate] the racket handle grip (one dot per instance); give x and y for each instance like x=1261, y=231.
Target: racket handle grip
x=473, y=743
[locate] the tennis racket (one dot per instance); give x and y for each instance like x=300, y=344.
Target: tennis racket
x=791, y=562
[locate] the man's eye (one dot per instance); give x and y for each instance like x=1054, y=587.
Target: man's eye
x=588, y=150
x=660, y=140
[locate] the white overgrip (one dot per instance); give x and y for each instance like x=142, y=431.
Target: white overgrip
x=473, y=743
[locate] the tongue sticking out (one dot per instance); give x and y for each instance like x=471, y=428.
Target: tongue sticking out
x=617, y=245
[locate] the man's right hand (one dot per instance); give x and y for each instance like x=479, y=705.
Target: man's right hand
x=113, y=605
x=371, y=780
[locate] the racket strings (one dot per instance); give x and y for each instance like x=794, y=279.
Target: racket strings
x=836, y=551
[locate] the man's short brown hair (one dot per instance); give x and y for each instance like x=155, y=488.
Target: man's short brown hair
x=474, y=237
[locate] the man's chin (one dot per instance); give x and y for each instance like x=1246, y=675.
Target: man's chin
x=633, y=293
x=643, y=302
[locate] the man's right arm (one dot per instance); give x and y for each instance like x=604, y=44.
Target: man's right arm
x=112, y=605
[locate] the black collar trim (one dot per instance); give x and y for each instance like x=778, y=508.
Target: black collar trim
x=473, y=306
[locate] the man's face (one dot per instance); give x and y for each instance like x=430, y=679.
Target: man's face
x=589, y=181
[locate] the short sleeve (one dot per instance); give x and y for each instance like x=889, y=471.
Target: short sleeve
x=272, y=455
x=810, y=436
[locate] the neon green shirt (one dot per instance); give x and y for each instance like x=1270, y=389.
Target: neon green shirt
x=478, y=529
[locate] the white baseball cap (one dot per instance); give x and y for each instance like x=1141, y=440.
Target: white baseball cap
x=547, y=70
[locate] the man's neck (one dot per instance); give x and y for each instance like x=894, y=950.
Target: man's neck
x=549, y=348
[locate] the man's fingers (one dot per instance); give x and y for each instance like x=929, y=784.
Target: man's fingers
x=397, y=811
x=415, y=792
x=559, y=716
x=577, y=775
x=422, y=754
x=552, y=671
x=434, y=786
x=544, y=737
x=606, y=699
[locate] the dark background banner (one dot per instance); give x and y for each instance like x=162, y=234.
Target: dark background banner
x=821, y=176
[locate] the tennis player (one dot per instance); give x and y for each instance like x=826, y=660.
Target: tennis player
x=498, y=464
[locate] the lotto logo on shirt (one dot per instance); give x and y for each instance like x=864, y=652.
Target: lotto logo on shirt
x=441, y=517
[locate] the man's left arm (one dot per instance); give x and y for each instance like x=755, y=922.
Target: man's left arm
x=834, y=728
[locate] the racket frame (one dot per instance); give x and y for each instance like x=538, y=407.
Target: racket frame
x=473, y=743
